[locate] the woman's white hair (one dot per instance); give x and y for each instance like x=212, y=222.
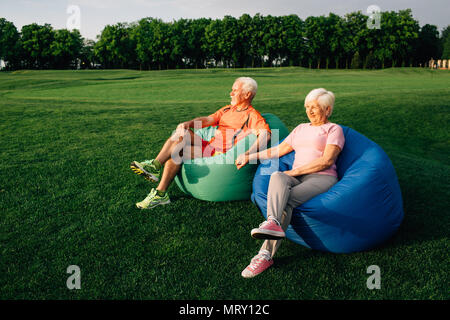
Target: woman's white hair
x=323, y=97
x=249, y=85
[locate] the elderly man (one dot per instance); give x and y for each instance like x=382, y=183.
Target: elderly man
x=234, y=121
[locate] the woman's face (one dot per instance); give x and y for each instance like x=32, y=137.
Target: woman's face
x=316, y=114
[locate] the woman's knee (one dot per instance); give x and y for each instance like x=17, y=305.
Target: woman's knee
x=278, y=177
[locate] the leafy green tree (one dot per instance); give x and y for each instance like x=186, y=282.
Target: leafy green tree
x=213, y=38
x=292, y=42
x=36, y=43
x=229, y=41
x=445, y=43
x=427, y=44
x=116, y=47
x=179, y=42
x=371, y=61
x=196, y=42
x=399, y=33
x=248, y=41
x=353, y=24
x=161, y=44
x=257, y=48
x=336, y=38
x=245, y=47
x=143, y=36
x=66, y=48
x=87, y=55
x=356, y=61
x=153, y=44
x=9, y=44
x=272, y=40
x=316, y=38
x=222, y=41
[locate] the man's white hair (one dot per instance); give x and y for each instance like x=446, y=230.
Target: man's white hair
x=249, y=85
x=323, y=97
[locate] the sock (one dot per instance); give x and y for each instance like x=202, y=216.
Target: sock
x=265, y=253
x=157, y=164
x=161, y=193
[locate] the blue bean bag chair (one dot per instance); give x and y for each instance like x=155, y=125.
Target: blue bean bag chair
x=362, y=210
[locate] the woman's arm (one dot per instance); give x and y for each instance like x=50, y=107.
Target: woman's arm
x=328, y=158
x=261, y=142
x=274, y=152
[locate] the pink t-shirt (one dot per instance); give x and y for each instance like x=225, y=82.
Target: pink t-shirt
x=309, y=143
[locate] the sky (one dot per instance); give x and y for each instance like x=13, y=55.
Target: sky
x=94, y=15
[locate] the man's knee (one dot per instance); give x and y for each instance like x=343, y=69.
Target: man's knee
x=172, y=165
x=175, y=139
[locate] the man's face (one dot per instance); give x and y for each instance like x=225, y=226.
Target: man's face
x=237, y=94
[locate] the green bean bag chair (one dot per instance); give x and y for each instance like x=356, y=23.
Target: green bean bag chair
x=216, y=178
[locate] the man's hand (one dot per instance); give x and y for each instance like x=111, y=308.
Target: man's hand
x=241, y=160
x=181, y=129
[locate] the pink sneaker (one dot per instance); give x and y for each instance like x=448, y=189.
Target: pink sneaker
x=269, y=229
x=259, y=263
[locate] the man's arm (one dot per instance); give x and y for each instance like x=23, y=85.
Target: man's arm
x=199, y=122
x=203, y=121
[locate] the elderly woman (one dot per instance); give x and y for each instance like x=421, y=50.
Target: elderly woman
x=317, y=145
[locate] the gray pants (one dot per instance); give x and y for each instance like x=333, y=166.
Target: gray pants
x=286, y=193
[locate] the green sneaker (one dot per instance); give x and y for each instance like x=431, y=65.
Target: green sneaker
x=147, y=169
x=153, y=200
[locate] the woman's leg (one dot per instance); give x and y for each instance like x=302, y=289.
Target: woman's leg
x=278, y=194
x=308, y=187
x=272, y=245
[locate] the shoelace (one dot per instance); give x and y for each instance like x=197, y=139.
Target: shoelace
x=151, y=194
x=256, y=261
x=149, y=163
x=267, y=221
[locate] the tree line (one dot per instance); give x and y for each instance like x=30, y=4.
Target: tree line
x=260, y=41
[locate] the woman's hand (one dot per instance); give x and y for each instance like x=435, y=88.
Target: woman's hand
x=242, y=160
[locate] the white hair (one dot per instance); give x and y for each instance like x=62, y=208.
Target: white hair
x=323, y=97
x=249, y=85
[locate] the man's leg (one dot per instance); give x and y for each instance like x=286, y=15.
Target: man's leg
x=185, y=148
x=172, y=164
x=152, y=169
x=169, y=146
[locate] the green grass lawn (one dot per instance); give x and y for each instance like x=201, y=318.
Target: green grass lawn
x=67, y=195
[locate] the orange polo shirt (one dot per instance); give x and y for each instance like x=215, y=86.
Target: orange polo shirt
x=235, y=125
